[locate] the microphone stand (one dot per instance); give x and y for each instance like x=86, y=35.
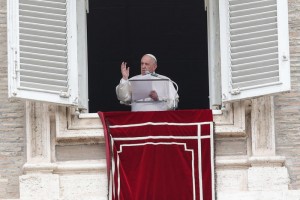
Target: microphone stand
x=173, y=82
x=176, y=88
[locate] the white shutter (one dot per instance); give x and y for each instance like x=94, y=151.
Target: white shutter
x=254, y=48
x=42, y=50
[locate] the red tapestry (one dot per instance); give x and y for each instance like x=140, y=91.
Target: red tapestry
x=162, y=155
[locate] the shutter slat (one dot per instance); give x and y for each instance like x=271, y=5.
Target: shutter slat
x=248, y=5
x=252, y=53
x=54, y=22
x=255, y=76
x=254, y=47
x=238, y=73
x=255, y=64
x=30, y=43
x=31, y=61
x=36, y=38
x=40, y=68
x=236, y=2
x=254, y=59
x=43, y=51
x=42, y=15
x=42, y=27
x=46, y=75
x=252, y=11
x=251, y=29
x=253, y=16
x=253, y=23
x=51, y=4
x=43, y=33
x=253, y=83
x=252, y=35
x=44, y=57
x=45, y=81
x=251, y=41
x=30, y=7
x=42, y=87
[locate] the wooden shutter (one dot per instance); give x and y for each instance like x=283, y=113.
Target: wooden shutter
x=42, y=50
x=254, y=48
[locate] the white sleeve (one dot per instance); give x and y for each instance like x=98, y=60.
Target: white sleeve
x=123, y=91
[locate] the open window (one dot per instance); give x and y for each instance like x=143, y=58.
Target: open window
x=174, y=31
x=47, y=52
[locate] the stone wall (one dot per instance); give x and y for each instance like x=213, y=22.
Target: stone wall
x=12, y=123
x=287, y=106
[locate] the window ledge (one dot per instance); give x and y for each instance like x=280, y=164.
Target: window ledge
x=95, y=115
x=88, y=116
x=87, y=127
x=84, y=166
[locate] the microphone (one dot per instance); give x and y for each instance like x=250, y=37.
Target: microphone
x=152, y=74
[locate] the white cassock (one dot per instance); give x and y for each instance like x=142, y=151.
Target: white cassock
x=165, y=102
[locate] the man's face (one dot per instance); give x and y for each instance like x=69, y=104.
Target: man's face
x=147, y=64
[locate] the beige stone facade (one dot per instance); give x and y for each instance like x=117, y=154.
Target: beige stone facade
x=287, y=106
x=49, y=152
x=12, y=126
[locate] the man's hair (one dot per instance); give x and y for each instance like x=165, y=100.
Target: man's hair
x=152, y=56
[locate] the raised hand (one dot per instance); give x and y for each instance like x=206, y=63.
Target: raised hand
x=124, y=71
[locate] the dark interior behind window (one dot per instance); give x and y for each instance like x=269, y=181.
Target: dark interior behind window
x=175, y=31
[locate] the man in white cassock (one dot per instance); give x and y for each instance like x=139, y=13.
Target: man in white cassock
x=155, y=100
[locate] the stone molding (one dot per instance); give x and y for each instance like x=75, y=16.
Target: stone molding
x=71, y=167
x=84, y=127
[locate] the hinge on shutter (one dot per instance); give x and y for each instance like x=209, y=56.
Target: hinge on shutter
x=235, y=91
x=16, y=67
x=64, y=94
x=284, y=57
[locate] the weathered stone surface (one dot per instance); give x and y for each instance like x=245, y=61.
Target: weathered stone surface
x=261, y=195
x=85, y=186
x=39, y=186
x=12, y=125
x=287, y=106
x=268, y=178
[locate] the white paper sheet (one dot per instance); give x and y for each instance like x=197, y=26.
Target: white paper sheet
x=142, y=86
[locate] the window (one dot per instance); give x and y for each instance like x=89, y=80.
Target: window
x=47, y=42
x=174, y=31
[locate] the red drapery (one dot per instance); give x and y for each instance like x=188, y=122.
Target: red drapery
x=160, y=155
